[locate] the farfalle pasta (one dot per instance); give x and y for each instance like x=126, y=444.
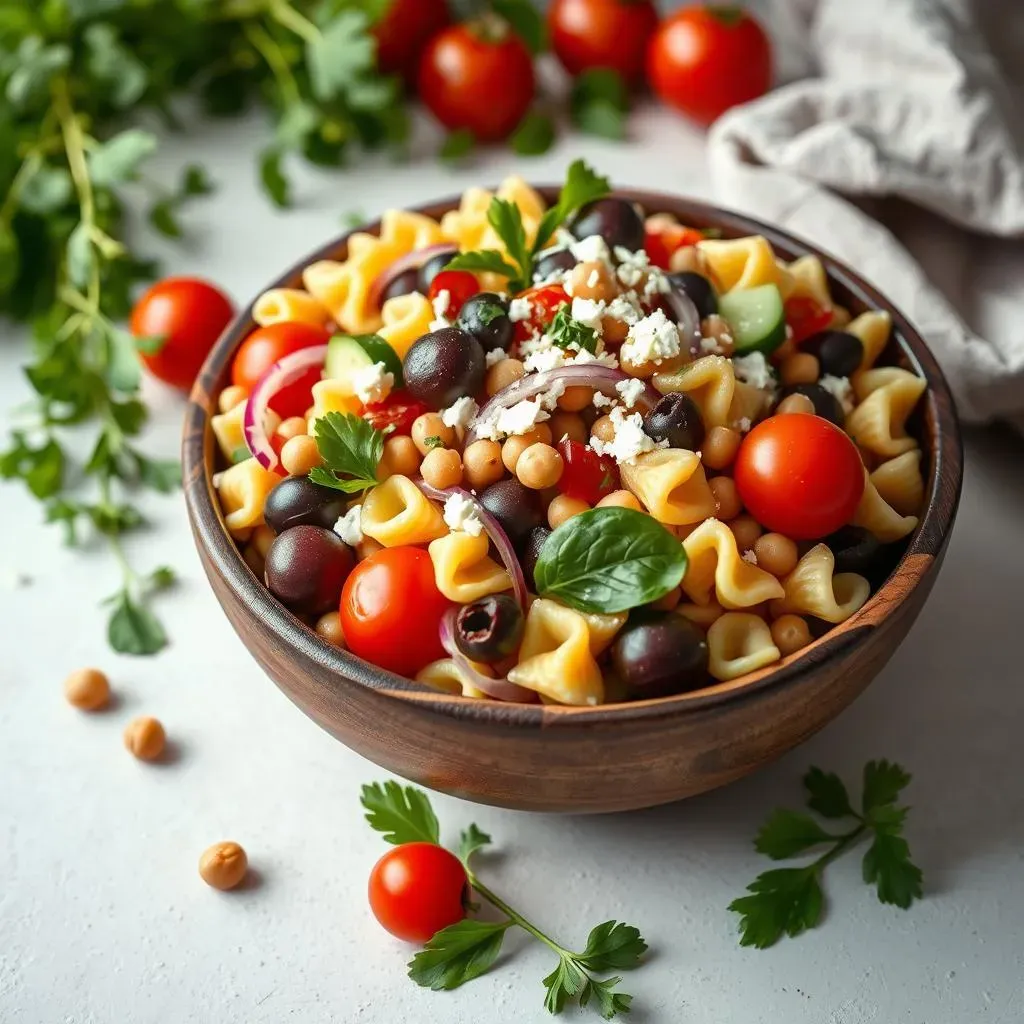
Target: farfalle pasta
x=546, y=470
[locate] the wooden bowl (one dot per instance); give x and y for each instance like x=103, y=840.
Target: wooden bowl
x=612, y=757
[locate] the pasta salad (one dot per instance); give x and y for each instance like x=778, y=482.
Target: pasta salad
x=573, y=454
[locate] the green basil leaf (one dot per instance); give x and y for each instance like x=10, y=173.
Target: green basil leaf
x=609, y=560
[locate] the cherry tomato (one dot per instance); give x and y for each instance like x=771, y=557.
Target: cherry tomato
x=602, y=34
x=398, y=411
x=460, y=285
x=391, y=610
x=477, y=77
x=403, y=32
x=799, y=475
x=264, y=347
x=587, y=476
x=190, y=316
x=661, y=244
x=704, y=59
x=545, y=301
x=805, y=317
x=417, y=889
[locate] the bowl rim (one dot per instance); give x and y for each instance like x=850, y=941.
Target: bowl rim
x=927, y=543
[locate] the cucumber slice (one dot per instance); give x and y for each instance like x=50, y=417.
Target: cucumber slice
x=756, y=318
x=347, y=353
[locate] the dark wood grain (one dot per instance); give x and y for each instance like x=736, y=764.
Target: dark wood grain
x=613, y=757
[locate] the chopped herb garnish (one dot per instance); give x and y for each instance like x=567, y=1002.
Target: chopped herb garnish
x=351, y=449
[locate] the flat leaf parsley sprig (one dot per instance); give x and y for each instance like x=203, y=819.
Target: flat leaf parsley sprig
x=787, y=901
x=351, y=449
x=465, y=950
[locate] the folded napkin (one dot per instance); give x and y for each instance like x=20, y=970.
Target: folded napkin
x=904, y=156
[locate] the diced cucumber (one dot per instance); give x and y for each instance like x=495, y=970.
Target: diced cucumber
x=756, y=318
x=347, y=353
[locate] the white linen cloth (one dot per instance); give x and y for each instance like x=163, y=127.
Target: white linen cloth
x=903, y=155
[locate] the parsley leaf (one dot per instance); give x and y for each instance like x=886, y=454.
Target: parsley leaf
x=887, y=866
x=599, y=103
x=564, y=982
x=787, y=833
x=351, y=446
x=534, y=136
x=567, y=333
x=483, y=261
x=883, y=782
x=609, y=1002
x=457, y=954
x=526, y=21
x=503, y=215
x=133, y=628
x=457, y=145
x=613, y=946
x=471, y=840
x=404, y=815
x=826, y=794
x=785, y=901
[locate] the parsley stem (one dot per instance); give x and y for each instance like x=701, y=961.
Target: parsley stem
x=844, y=842
x=270, y=51
x=284, y=14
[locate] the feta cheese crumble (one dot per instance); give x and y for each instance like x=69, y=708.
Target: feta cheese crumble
x=460, y=514
x=519, y=309
x=632, y=265
x=372, y=383
x=440, y=303
x=544, y=359
x=460, y=413
x=628, y=440
x=754, y=370
x=496, y=355
x=602, y=401
x=593, y=248
x=522, y=417
x=840, y=388
x=749, y=556
x=630, y=390
x=588, y=312
x=624, y=308
x=349, y=527
x=652, y=339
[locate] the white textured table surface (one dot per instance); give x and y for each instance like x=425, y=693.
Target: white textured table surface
x=104, y=920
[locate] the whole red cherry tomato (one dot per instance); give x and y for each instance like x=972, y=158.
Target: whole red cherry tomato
x=602, y=34
x=660, y=244
x=189, y=315
x=391, y=610
x=587, y=476
x=805, y=317
x=403, y=32
x=477, y=77
x=545, y=301
x=799, y=475
x=264, y=347
x=417, y=889
x=704, y=59
x=398, y=411
x=460, y=285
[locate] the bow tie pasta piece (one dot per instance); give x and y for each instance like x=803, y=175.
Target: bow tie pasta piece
x=742, y=263
x=409, y=231
x=603, y=628
x=332, y=396
x=243, y=490
x=397, y=513
x=449, y=676
x=555, y=659
x=671, y=484
x=812, y=589
x=468, y=226
x=876, y=515
x=710, y=381
x=701, y=614
x=809, y=280
x=289, y=305
x=406, y=319
x=716, y=565
x=229, y=430
x=900, y=484
x=739, y=643
x=873, y=328
x=887, y=396
x=463, y=570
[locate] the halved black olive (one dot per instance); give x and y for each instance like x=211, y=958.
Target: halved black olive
x=489, y=629
x=676, y=419
x=839, y=352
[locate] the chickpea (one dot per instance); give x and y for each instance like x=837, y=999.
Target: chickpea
x=726, y=497
x=603, y=429
x=539, y=466
x=575, y=399
x=720, y=447
x=621, y=499
x=512, y=449
x=659, y=222
x=563, y=508
x=783, y=352
x=329, y=627
x=87, y=689
x=717, y=328
x=801, y=368
x=568, y=424
x=299, y=455
x=292, y=427
x=667, y=602
x=223, y=865
x=687, y=259
x=231, y=396
x=746, y=530
x=796, y=403
x=430, y=425
x=366, y=547
x=501, y=374
x=591, y=279
x=442, y=468
x=145, y=738
x=790, y=633
x=401, y=457
x=482, y=465
x=540, y=433
x=776, y=554
x=613, y=330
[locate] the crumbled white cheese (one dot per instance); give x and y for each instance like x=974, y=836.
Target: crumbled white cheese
x=631, y=390
x=840, y=388
x=461, y=413
x=754, y=370
x=544, y=359
x=537, y=343
x=519, y=309
x=710, y=345
x=743, y=425
x=460, y=513
x=550, y=398
x=652, y=339
x=602, y=358
x=628, y=439
x=564, y=238
x=372, y=383
x=624, y=308
x=602, y=401
x=589, y=312
x=657, y=283
x=496, y=355
x=522, y=417
x=632, y=265
x=350, y=526
x=749, y=556
x=440, y=302
x=593, y=248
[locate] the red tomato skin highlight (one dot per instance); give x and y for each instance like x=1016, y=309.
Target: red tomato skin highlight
x=799, y=475
x=611, y=34
x=404, y=31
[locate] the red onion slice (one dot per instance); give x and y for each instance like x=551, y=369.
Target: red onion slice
x=284, y=372
x=410, y=261
x=499, y=689
x=589, y=375
x=493, y=529
x=686, y=316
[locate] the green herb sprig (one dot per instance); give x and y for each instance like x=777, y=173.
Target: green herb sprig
x=567, y=333
x=467, y=949
x=788, y=901
x=351, y=449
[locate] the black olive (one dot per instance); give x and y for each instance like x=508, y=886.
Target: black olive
x=855, y=549
x=553, y=262
x=405, y=283
x=698, y=289
x=485, y=316
x=490, y=629
x=839, y=352
x=660, y=655
x=432, y=268
x=826, y=405
x=617, y=221
x=529, y=552
x=676, y=419
x=297, y=501
x=444, y=365
x=517, y=508
x=307, y=567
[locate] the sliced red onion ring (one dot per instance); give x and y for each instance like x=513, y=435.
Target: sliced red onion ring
x=410, y=261
x=493, y=529
x=499, y=689
x=284, y=372
x=686, y=316
x=588, y=375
